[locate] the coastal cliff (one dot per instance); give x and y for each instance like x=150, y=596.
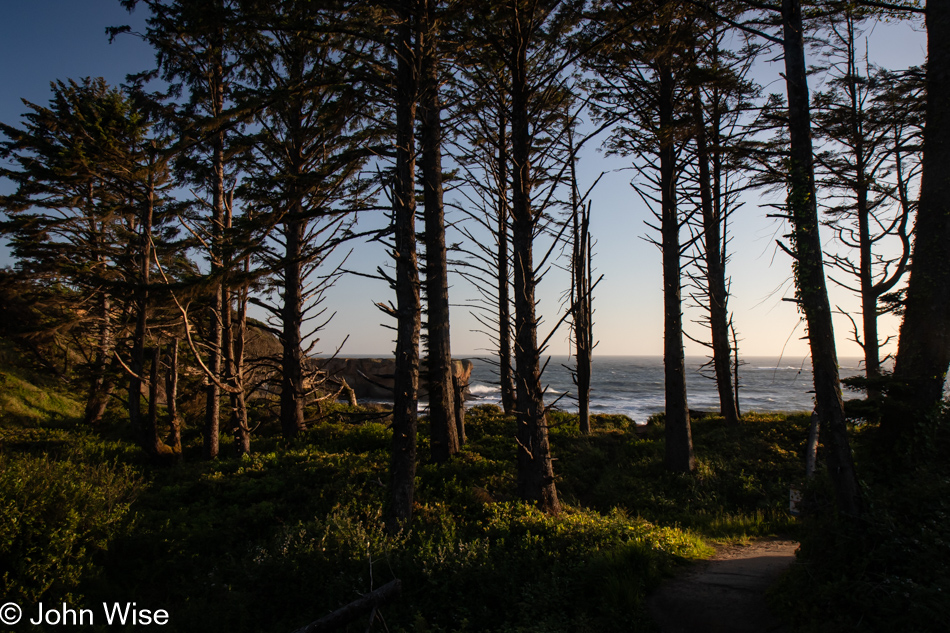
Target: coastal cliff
x=372, y=378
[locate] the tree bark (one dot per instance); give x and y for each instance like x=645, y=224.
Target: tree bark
x=100, y=390
x=459, y=389
x=535, y=468
x=809, y=267
x=581, y=301
x=505, y=376
x=445, y=440
x=715, y=273
x=171, y=398
x=150, y=440
x=408, y=307
x=146, y=219
x=679, y=437
x=216, y=331
x=216, y=328
x=240, y=429
x=292, y=374
x=923, y=353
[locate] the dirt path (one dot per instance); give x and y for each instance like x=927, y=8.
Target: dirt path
x=725, y=593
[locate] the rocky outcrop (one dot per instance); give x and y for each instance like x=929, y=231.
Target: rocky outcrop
x=372, y=378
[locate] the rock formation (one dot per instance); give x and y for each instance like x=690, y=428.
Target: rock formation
x=372, y=378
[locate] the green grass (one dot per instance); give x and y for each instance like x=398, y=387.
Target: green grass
x=739, y=489
x=29, y=396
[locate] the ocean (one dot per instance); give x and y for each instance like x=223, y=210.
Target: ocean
x=633, y=385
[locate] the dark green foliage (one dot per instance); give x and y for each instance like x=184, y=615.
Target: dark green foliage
x=56, y=518
x=891, y=571
x=285, y=536
x=740, y=486
x=271, y=541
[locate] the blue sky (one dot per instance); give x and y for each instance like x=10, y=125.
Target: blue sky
x=45, y=40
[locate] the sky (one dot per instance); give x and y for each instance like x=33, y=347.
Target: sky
x=45, y=40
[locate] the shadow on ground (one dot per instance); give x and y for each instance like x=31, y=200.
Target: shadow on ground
x=725, y=593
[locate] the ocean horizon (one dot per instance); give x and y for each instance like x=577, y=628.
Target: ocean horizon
x=634, y=385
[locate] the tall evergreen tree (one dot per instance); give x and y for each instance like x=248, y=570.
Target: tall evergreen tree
x=305, y=175
x=869, y=165
x=445, y=433
x=641, y=84
x=923, y=352
x=720, y=98
x=65, y=221
x=195, y=45
x=481, y=86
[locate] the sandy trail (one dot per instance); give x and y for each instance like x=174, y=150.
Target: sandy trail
x=725, y=593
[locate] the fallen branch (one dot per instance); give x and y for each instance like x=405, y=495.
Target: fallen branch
x=350, y=612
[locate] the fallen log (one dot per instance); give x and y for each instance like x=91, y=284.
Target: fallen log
x=350, y=612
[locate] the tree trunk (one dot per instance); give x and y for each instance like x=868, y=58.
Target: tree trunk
x=923, y=353
x=171, y=398
x=292, y=373
x=241, y=426
x=679, y=438
x=809, y=267
x=216, y=332
x=151, y=442
x=137, y=364
x=535, y=468
x=445, y=440
x=581, y=302
x=459, y=389
x=237, y=332
x=216, y=329
x=100, y=390
x=408, y=307
x=141, y=317
x=715, y=273
x=505, y=377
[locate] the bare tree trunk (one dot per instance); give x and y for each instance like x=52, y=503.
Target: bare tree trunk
x=237, y=328
x=715, y=273
x=735, y=367
x=923, y=353
x=100, y=391
x=137, y=364
x=216, y=328
x=146, y=220
x=150, y=440
x=679, y=438
x=216, y=331
x=99, y=401
x=583, y=323
x=535, y=468
x=408, y=306
x=811, y=448
x=171, y=398
x=445, y=440
x=504, y=299
x=292, y=374
x=581, y=300
x=459, y=389
x=809, y=267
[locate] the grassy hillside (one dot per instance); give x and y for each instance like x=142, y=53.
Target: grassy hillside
x=27, y=395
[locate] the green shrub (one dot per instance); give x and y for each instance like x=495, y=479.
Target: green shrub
x=891, y=570
x=55, y=517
